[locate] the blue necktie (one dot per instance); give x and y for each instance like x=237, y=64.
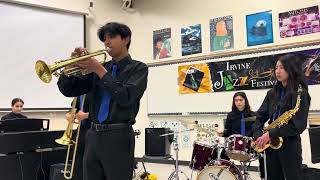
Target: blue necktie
x=275, y=115
x=81, y=102
x=243, y=125
x=105, y=102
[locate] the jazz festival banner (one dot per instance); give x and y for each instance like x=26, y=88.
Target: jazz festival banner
x=243, y=74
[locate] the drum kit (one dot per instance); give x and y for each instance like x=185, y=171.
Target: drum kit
x=206, y=158
x=212, y=160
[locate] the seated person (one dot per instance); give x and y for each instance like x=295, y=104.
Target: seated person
x=16, y=108
x=236, y=123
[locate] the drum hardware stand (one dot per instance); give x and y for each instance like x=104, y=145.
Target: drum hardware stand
x=193, y=161
x=175, y=174
x=245, y=174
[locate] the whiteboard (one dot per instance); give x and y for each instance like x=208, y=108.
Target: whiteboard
x=28, y=34
x=164, y=99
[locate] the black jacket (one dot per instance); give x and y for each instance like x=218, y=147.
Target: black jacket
x=125, y=90
x=233, y=124
x=13, y=115
x=297, y=123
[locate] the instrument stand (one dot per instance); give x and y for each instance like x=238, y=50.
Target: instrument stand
x=245, y=174
x=175, y=174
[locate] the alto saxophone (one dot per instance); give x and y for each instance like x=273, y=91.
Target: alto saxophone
x=276, y=143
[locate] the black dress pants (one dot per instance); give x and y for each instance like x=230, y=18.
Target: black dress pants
x=285, y=163
x=109, y=154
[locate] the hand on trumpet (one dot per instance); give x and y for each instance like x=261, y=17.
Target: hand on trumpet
x=90, y=64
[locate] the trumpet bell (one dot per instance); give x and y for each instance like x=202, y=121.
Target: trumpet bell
x=43, y=71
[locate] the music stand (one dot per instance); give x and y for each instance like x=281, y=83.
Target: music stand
x=23, y=124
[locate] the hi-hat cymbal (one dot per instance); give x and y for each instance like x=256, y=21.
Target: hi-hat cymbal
x=204, y=130
x=186, y=123
x=196, y=126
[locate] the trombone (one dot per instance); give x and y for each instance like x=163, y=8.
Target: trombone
x=45, y=71
x=66, y=140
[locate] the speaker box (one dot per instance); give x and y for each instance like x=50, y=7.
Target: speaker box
x=314, y=134
x=56, y=171
x=156, y=145
x=310, y=173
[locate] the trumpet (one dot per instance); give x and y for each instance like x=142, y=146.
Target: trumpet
x=45, y=71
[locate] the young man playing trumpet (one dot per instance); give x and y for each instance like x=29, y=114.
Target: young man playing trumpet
x=115, y=89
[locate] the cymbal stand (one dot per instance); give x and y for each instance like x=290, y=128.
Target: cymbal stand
x=245, y=174
x=175, y=174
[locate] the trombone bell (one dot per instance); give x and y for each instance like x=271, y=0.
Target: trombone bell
x=64, y=140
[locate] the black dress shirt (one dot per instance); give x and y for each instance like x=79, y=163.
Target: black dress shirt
x=125, y=90
x=13, y=115
x=233, y=124
x=297, y=123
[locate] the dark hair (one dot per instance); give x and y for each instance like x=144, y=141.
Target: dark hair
x=15, y=100
x=292, y=65
x=113, y=29
x=247, y=108
x=159, y=39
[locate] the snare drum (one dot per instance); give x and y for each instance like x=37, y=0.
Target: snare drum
x=238, y=148
x=222, y=169
x=202, y=154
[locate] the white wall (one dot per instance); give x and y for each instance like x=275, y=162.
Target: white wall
x=157, y=14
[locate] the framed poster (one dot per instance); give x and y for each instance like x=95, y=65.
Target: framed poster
x=221, y=33
x=299, y=22
x=191, y=40
x=259, y=28
x=162, y=43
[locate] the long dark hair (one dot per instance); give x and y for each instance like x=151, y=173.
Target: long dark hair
x=247, y=108
x=292, y=65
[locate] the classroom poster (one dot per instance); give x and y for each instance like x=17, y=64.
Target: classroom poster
x=311, y=65
x=299, y=22
x=194, y=79
x=162, y=43
x=221, y=33
x=191, y=40
x=259, y=28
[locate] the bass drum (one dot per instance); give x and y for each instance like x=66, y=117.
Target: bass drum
x=220, y=170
